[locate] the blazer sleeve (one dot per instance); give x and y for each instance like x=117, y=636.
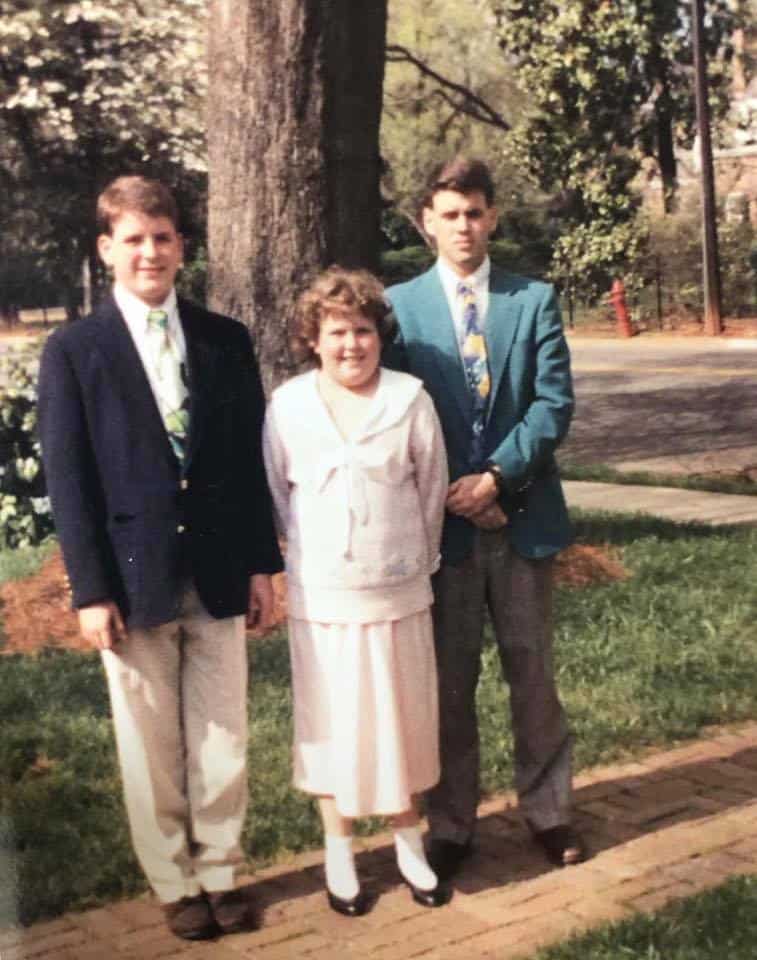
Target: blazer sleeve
x=72, y=479
x=545, y=421
x=263, y=553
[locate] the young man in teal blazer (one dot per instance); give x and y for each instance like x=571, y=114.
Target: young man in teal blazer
x=490, y=350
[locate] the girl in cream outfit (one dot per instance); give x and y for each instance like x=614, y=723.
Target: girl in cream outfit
x=356, y=465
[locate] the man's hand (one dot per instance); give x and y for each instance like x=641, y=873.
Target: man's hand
x=261, y=606
x=101, y=625
x=471, y=494
x=492, y=517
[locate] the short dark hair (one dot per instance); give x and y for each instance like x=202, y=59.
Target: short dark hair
x=462, y=175
x=337, y=290
x=134, y=194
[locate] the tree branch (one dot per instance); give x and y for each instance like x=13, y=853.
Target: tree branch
x=468, y=102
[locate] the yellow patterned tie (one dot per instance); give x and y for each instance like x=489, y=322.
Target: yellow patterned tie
x=173, y=395
x=476, y=370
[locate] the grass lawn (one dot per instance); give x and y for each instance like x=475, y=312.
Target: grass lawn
x=643, y=661
x=601, y=473
x=718, y=925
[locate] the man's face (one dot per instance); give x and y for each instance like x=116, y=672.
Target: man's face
x=144, y=254
x=461, y=224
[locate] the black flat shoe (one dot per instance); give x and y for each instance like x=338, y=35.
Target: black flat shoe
x=436, y=897
x=445, y=857
x=355, y=907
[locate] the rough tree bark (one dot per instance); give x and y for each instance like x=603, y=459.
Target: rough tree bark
x=294, y=164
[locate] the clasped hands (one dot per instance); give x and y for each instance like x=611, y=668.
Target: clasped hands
x=474, y=496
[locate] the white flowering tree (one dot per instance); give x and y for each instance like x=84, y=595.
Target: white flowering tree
x=90, y=90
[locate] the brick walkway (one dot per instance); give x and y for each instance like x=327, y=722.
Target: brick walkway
x=660, y=828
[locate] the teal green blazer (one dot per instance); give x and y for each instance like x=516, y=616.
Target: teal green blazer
x=531, y=400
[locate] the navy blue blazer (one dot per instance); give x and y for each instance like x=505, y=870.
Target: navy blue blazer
x=530, y=404
x=132, y=523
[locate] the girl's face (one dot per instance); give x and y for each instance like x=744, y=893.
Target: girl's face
x=349, y=348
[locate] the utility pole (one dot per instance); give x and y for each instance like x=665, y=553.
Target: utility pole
x=711, y=264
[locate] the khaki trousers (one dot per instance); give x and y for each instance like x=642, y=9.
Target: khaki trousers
x=518, y=595
x=178, y=695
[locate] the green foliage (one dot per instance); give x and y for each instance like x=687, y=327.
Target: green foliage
x=523, y=246
x=25, y=516
x=673, y=258
x=738, y=268
x=191, y=280
x=23, y=280
x=400, y=265
x=89, y=91
x=600, y=83
x=709, y=926
x=425, y=123
x=590, y=255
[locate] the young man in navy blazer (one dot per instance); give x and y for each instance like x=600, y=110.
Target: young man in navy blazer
x=490, y=350
x=150, y=413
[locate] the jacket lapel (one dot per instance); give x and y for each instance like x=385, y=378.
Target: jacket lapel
x=439, y=330
x=502, y=320
x=123, y=361
x=202, y=367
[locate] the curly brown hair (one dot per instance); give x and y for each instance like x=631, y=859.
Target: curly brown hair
x=339, y=290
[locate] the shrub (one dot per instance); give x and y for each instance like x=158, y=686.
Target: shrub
x=671, y=267
x=737, y=268
x=25, y=515
x=400, y=265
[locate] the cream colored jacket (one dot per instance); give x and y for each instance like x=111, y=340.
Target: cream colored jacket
x=362, y=517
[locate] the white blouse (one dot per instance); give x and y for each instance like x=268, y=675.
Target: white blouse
x=363, y=516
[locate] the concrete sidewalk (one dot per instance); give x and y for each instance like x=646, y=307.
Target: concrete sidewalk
x=660, y=828
x=668, y=502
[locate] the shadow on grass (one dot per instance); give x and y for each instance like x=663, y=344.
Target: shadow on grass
x=621, y=529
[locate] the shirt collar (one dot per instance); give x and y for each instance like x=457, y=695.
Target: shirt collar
x=135, y=311
x=479, y=279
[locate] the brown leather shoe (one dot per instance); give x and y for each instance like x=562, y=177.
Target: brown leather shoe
x=233, y=910
x=561, y=845
x=191, y=919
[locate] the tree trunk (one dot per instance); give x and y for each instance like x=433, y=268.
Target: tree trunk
x=294, y=165
x=666, y=158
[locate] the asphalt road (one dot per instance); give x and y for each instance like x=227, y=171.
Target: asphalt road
x=673, y=405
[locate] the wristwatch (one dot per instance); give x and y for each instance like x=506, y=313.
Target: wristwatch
x=496, y=473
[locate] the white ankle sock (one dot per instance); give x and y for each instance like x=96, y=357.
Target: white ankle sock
x=341, y=876
x=411, y=858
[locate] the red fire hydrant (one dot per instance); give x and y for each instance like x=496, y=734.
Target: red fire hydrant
x=618, y=299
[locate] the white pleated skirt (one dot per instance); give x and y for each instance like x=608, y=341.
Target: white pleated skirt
x=366, y=714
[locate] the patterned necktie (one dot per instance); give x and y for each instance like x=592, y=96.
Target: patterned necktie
x=473, y=350
x=172, y=392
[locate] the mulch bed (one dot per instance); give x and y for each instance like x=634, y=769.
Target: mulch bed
x=36, y=611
